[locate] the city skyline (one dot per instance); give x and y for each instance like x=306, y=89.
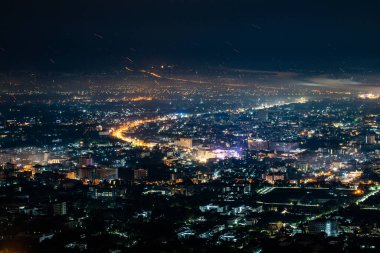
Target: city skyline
x=189, y=126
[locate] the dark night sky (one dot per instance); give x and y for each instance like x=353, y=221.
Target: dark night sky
x=98, y=35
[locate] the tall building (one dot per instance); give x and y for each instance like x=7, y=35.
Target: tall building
x=46, y=157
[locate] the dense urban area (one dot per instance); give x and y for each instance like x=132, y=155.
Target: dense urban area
x=158, y=162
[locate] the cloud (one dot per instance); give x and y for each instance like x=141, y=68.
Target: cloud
x=281, y=74
x=330, y=82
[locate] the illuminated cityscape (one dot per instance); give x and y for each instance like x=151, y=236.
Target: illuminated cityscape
x=189, y=126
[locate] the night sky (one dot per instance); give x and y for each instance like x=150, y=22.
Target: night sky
x=75, y=36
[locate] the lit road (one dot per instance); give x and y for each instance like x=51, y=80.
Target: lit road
x=120, y=133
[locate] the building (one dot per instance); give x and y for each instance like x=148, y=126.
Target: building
x=96, y=192
x=205, y=153
x=101, y=173
x=139, y=174
x=283, y=146
x=272, y=178
x=370, y=139
x=87, y=172
x=59, y=209
x=46, y=157
x=257, y=144
x=86, y=161
x=302, y=166
x=184, y=143
x=8, y=170
x=330, y=227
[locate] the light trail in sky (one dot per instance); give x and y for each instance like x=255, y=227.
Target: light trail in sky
x=170, y=78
